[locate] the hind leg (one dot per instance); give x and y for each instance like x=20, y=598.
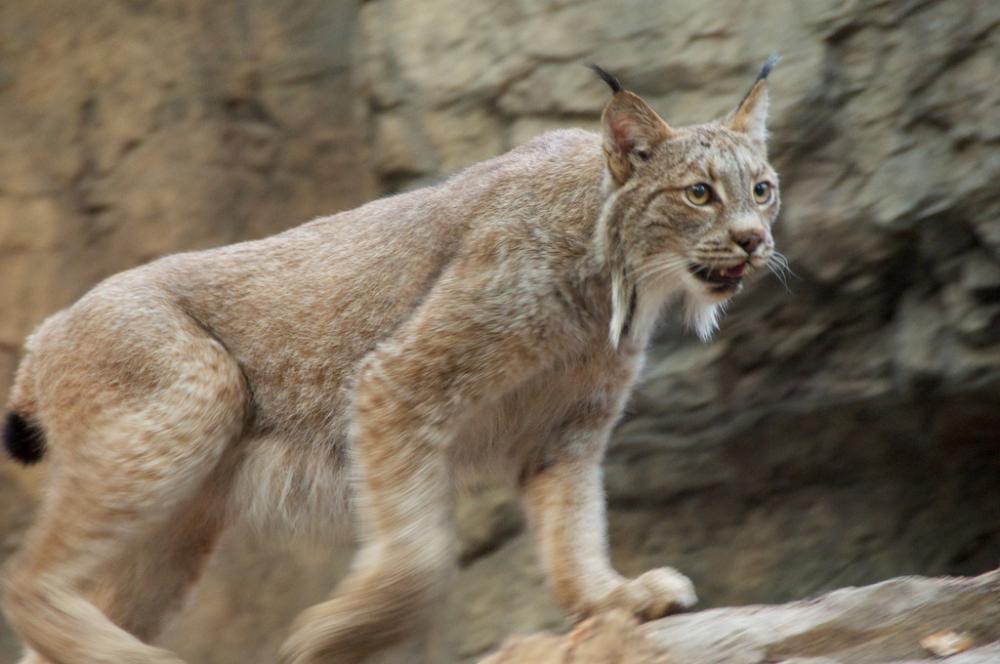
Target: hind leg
x=141, y=592
x=149, y=586
x=101, y=603
x=86, y=589
x=124, y=472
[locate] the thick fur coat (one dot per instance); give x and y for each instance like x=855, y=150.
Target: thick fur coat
x=369, y=363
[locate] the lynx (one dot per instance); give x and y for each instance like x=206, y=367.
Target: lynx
x=368, y=365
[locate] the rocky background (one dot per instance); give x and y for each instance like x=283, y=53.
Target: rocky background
x=907, y=620
x=842, y=430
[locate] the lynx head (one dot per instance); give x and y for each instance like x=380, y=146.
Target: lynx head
x=689, y=209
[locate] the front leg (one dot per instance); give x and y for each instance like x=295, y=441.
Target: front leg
x=565, y=506
x=412, y=396
x=402, y=499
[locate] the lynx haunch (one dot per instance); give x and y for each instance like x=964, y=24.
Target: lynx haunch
x=365, y=365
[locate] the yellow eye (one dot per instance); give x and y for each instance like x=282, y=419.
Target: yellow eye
x=762, y=193
x=699, y=194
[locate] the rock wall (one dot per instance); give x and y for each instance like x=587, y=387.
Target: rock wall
x=138, y=128
x=839, y=430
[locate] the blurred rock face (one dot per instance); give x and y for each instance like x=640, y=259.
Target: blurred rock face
x=893, y=622
x=838, y=432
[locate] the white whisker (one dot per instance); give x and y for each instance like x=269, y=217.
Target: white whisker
x=660, y=272
x=669, y=264
x=780, y=276
x=778, y=266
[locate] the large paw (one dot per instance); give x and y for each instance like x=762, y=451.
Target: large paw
x=654, y=594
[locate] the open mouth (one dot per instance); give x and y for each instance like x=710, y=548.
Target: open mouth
x=721, y=278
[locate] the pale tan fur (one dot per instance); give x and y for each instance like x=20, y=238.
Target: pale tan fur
x=369, y=363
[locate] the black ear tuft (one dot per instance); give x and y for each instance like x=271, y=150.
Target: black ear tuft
x=23, y=439
x=768, y=65
x=612, y=82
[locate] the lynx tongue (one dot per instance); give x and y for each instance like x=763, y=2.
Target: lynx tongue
x=734, y=272
x=723, y=276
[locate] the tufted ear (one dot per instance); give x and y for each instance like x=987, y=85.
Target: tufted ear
x=750, y=117
x=631, y=129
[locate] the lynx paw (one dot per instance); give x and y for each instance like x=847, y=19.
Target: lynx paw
x=654, y=594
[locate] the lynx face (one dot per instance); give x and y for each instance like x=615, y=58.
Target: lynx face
x=705, y=201
x=692, y=208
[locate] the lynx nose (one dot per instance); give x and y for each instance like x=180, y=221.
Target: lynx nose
x=749, y=239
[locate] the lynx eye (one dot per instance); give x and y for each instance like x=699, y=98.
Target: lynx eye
x=698, y=194
x=762, y=193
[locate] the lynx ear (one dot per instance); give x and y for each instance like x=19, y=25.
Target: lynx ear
x=631, y=129
x=750, y=117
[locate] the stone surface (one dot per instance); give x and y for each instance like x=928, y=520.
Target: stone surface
x=615, y=638
x=134, y=129
x=879, y=624
x=838, y=432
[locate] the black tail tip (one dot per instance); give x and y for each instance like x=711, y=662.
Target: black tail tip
x=23, y=439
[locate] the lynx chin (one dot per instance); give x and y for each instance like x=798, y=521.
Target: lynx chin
x=363, y=367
